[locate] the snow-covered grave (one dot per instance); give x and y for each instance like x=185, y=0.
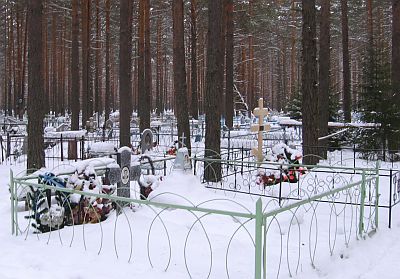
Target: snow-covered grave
x=193, y=229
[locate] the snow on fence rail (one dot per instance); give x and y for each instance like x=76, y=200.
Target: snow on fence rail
x=219, y=238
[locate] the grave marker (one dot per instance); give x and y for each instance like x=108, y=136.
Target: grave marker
x=260, y=112
x=90, y=125
x=182, y=140
x=124, y=161
x=182, y=160
x=146, y=142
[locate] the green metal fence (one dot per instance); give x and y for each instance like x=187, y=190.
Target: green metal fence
x=354, y=194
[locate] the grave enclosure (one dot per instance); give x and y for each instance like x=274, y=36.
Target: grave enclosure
x=258, y=224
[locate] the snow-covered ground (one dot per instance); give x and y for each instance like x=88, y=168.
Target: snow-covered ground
x=44, y=256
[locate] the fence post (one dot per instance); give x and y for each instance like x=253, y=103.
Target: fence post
x=229, y=148
x=241, y=170
x=82, y=147
x=1, y=145
x=165, y=167
x=280, y=185
x=362, y=203
x=76, y=150
x=258, y=240
x=194, y=164
x=354, y=157
x=12, y=201
x=8, y=150
x=264, y=263
x=341, y=156
x=377, y=195
x=62, y=148
x=390, y=197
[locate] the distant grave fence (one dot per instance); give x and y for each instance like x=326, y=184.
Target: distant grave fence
x=242, y=177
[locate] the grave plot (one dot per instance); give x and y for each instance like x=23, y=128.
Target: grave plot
x=181, y=220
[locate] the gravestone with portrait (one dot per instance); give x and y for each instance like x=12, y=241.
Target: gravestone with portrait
x=124, y=179
x=146, y=142
x=124, y=162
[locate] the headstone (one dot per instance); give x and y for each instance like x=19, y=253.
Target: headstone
x=109, y=124
x=146, y=143
x=124, y=161
x=182, y=160
x=114, y=175
x=90, y=125
x=123, y=173
x=260, y=112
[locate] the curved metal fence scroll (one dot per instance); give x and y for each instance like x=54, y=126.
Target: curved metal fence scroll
x=274, y=237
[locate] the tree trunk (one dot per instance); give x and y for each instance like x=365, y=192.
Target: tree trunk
x=53, y=103
x=35, y=85
x=125, y=85
x=346, y=63
x=4, y=100
x=158, y=69
x=229, y=105
x=143, y=86
x=180, y=88
x=214, y=84
x=45, y=57
x=108, y=66
x=293, y=49
x=86, y=94
x=324, y=74
x=394, y=141
x=97, y=78
x=24, y=60
x=75, y=91
x=193, y=36
x=309, y=83
x=396, y=51
x=147, y=62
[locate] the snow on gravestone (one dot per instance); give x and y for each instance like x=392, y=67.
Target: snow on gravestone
x=182, y=160
x=114, y=175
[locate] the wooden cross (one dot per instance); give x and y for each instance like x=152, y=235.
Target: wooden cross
x=182, y=138
x=260, y=112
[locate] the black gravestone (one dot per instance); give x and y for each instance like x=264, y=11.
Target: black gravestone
x=123, y=184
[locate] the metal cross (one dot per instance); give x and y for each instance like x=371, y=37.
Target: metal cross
x=260, y=112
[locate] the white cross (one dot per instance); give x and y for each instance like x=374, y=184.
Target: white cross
x=260, y=112
x=183, y=139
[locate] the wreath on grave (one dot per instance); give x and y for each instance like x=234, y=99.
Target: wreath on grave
x=288, y=171
x=150, y=182
x=173, y=149
x=47, y=216
x=88, y=209
x=69, y=208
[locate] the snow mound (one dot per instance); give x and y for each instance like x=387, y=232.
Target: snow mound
x=102, y=147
